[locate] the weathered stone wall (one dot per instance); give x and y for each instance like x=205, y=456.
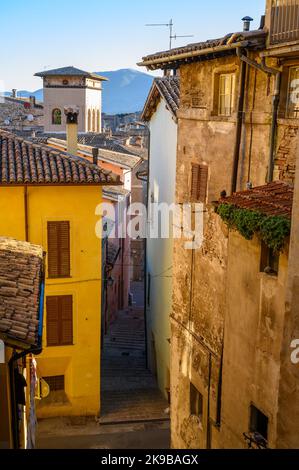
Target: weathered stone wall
x=210, y=298
x=252, y=341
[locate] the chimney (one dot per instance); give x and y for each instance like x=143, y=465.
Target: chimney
x=32, y=101
x=14, y=93
x=95, y=155
x=246, y=23
x=72, y=113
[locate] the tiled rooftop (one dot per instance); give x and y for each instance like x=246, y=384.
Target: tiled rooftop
x=169, y=89
x=213, y=46
x=22, y=162
x=272, y=199
x=21, y=267
x=122, y=159
x=69, y=71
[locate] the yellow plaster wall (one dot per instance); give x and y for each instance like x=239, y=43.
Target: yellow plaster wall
x=80, y=363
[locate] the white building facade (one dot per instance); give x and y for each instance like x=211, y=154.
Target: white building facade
x=160, y=113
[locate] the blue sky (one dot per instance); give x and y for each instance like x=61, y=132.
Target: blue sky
x=98, y=35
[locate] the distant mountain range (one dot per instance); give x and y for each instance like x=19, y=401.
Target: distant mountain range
x=125, y=92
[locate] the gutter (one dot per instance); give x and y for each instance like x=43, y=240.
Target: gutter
x=200, y=52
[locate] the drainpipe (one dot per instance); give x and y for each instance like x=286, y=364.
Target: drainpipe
x=240, y=113
x=26, y=214
x=262, y=67
x=72, y=113
x=273, y=133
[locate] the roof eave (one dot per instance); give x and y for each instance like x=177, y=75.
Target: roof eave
x=168, y=60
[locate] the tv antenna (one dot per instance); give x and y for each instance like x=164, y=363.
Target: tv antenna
x=171, y=35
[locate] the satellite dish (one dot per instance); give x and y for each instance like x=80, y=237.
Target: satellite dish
x=30, y=118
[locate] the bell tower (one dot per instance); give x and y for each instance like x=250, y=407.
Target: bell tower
x=69, y=86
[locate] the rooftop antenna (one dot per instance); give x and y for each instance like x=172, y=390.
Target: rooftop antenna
x=171, y=35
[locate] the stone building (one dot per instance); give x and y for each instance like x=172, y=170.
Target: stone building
x=69, y=86
x=234, y=301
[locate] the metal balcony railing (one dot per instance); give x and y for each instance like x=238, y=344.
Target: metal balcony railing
x=284, y=21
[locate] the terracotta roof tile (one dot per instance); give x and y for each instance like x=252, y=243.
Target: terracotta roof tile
x=271, y=199
x=157, y=59
x=169, y=89
x=21, y=270
x=22, y=162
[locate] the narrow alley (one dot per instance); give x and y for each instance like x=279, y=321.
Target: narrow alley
x=134, y=413
x=129, y=391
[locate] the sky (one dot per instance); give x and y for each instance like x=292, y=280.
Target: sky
x=101, y=35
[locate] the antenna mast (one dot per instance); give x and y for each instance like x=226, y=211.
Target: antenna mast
x=171, y=35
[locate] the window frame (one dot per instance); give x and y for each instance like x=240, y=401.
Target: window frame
x=201, y=192
x=60, y=274
x=59, y=322
x=195, y=394
x=231, y=94
x=289, y=92
x=54, y=123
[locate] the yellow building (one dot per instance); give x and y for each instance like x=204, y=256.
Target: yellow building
x=49, y=198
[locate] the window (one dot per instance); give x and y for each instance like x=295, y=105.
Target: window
x=56, y=117
x=293, y=93
x=196, y=402
x=226, y=94
x=89, y=121
x=55, y=382
x=58, y=249
x=258, y=422
x=98, y=121
x=269, y=260
x=93, y=121
x=199, y=180
x=59, y=320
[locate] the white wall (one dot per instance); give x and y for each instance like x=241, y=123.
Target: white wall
x=162, y=174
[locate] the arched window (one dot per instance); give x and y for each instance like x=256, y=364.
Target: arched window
x=89, y=121
x=56, y=117
x=98, y=121
x=93, y=121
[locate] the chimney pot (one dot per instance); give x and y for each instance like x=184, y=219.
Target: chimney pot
x=32, y=101
x=95, y=155
x=246, y=23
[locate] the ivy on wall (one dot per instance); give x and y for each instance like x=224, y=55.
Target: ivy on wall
x=272, y=230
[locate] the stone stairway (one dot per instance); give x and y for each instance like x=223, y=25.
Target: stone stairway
x=129, y=392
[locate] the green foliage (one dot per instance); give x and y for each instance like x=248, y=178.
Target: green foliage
x=273, y=230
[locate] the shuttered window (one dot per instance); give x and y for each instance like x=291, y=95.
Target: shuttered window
x=59, y=320
x=55, y=382
x=199, y=181
x=58, y=249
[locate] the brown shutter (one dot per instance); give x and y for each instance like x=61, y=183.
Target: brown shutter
x=194, y=182
x=53, y=255
x=64, y=249
x=66, y=319
x=59, y=320
x=199, y=181
x=58, y=249
x=52, y=304
x=202, y=183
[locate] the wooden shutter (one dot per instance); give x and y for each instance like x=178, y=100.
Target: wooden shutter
x=52, y=304
x=66, y=319
x=59, y=249
x=199, y=181
x=59, y=320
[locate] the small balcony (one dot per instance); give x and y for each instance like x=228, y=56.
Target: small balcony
x=284, y=26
